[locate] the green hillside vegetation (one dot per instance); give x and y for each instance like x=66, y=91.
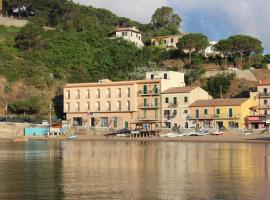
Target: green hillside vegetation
x=78, y=48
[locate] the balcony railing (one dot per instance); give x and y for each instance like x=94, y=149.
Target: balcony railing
x=212, y=117
x=149, y=92
x=173, y=105
x=149, y=106
x=264, y=94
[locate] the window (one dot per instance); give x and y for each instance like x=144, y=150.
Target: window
x=164, y=42
x=68, y=94
x=88, y=94
x=108, y=93
x=265, y=112
x=128, y=105
x=119, y=93
x=78, y=107
x=152, y=76
x=230, y=112
x=108, y=105
x=88, y=106
x=167, y=100
x=144, y=114
x=156, y=114
x=265, y=102
x=185, y=99
x=97, y=93
x=265, y=90
x=128, y=92
x=124, y=33
x=156, y=102
x=206, y=111
x=145, y=89
x=115, y=122
x=218, y=111
x=197, y=113
x=97, y=106
x=144, y=102
x=119, y=106
x=67, y=107
x=165, y=76
x=167, y=114
x=185, y=111
x=174, y=100
x=78, y=94
x=104, y=122
x=174, y=113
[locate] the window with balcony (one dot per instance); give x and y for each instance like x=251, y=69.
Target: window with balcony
x=197, y=113
x=145, y=89
x=156, y=102
x=108, y=93
x=77, y=107
x=174, y=100
x=185, y=99
x=166, y=114
x=97, y=93
x=144, y=102
x=156, y=114
x=98, y=106
x=78, y=95
x=265, y=102
x=88, y=93
x=128, y=92
x=167, y=100
x=119, y=93
x=68, y=107
x=265, y=90
x=68, y=94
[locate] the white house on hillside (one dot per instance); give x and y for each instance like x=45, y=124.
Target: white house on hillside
x=131, y=34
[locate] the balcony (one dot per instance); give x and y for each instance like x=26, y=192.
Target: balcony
x=264, y=94
x=173, y=105
x=212, y=117
x=265, y=106
x=154, y=92
x=149, y=106
x=147, y=119
x=169, y=117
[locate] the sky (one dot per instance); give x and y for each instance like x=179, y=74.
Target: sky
x=215, y=18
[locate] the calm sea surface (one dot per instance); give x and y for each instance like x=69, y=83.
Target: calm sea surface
x=130, y=170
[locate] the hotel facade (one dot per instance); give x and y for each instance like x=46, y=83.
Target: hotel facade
x=118, y=104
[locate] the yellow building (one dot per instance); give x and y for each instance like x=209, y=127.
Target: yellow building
x=1, y=7
x=228, y=113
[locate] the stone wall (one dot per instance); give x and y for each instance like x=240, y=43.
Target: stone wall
x=11, y=130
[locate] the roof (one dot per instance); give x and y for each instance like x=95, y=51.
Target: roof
x=264, y=82
x=173, y=90
x=116, y=83
x=218, y=102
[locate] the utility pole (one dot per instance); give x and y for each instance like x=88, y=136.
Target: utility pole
x=50, y=111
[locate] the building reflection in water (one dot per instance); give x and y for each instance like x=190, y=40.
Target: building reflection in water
x=129, y=170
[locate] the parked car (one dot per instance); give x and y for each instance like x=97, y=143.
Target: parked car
x=45, y=123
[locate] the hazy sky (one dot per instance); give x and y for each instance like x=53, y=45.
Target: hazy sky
x=215, y=18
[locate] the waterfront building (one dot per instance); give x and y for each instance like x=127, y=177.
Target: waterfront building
x=131, y=34
x=1, y=7
x=117, y=104
x=228, y=113
x=261, y=120
x=176, y=102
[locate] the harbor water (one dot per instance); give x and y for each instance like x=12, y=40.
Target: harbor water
x=134, y=170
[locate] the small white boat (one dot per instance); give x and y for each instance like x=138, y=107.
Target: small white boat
x=217, y=132
x=172, y=135
x=72, y=137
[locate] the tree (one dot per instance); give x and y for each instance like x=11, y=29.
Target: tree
x=219, y=84
x=192, y=42
x=30, y=36
x=226, y=48
x=245, y=45
x=28, y=106
x=164, y=18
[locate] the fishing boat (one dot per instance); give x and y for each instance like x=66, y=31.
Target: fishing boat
x=72, y=137
x=21, y=139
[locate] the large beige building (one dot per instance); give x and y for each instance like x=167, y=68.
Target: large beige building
x=176, y=102
x=131, y=34
x=117, y=104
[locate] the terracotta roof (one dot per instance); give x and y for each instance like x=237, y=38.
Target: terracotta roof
x=265, y=82
x=178, y=90
x=218, y=102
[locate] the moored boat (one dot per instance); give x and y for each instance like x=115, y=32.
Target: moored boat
x=21, y=139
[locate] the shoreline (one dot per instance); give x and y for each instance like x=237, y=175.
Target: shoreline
x=228, y=138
